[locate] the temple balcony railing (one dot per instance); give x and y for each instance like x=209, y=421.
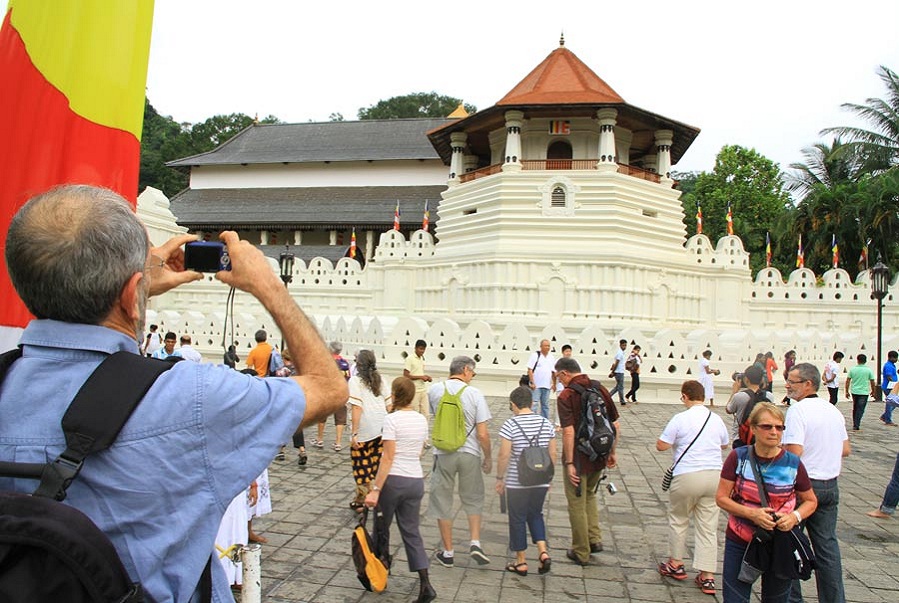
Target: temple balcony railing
x=561, y=164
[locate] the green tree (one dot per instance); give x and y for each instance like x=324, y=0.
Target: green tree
x=753, y=184
x=417, y=104
x=165, y=140
x=824, y=165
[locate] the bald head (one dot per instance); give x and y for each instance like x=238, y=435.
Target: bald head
x=71, y=250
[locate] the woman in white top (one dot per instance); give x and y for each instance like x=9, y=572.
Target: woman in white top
x=525, y=503
x=705, y=377
x=368, y=411
x=694, y=486
x=400, y=485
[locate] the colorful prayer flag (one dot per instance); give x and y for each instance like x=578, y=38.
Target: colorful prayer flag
x=698, y=219
x=72, y=87
x=560, y=127
x=800, y=255
x=836, y=252
x=730, y=220
x=396, y=216
x=353, y=244
x=426, y=220
x=767, y=249
x=863, y=256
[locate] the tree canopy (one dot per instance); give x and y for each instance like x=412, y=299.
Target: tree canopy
x=416, y=104
x=165, y=140
x=753, y=185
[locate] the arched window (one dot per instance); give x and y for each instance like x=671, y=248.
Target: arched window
x=558, y=155
x=558, y=198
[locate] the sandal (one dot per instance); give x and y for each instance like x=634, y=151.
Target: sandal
x=318, y=443
x=516, y=568
x=706, y=585
x=678, y=573
x=337, y=448
x=545, y=563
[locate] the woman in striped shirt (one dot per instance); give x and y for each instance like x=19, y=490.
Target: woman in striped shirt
x=525, y=503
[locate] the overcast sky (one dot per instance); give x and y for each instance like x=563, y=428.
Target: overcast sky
x=763, y=74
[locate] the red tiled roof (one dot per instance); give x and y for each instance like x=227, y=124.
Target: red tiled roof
x=561, y=79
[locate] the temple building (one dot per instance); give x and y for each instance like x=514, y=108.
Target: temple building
x=552, y=215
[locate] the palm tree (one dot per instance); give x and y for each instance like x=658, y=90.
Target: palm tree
x=827, y=166
x=879, y=146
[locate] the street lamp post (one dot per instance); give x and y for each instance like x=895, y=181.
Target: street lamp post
x=880, y=277
x=285, y=263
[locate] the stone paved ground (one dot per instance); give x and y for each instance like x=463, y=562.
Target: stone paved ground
x=307, y=557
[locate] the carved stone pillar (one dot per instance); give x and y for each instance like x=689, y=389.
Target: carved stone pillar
x=512, y=162
x=458, y=140
x=607, y=118
x=664, y=139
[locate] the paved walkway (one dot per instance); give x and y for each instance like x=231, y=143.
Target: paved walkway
x=307, y=557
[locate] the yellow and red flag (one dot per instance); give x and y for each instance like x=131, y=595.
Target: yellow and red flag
x=767, y=249
x=836, y=252
x=426, y=220
x=730, y=220
x=72, y=81
x=800, y=254
x=698, y=219
x=353, y=245
x=396, y=216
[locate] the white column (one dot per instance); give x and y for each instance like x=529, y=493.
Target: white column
x=263, y=237
x=333, y=237
x=651, y=163
x=298, y=237
x=513, y=141
x=458, y=140
x=664, y=139
x=607, y=118
x=469, y=163
x=369, y=244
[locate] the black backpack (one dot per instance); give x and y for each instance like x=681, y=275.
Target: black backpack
x=535, y=465
x=50, y=551
x=744, y=431
x=594, y=435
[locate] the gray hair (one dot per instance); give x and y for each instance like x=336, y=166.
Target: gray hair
x=808, y=372
x=70, y=251
x=458, y=364
x=521, y=397
x=568, y=364
x=336, y=347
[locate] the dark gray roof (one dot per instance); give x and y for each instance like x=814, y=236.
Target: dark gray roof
x=336, y=208
x=324, y=141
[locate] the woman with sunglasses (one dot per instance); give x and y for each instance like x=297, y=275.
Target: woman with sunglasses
x=696, y=437
x=790, y=500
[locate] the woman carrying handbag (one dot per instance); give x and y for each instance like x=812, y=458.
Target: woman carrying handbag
x=696, y=437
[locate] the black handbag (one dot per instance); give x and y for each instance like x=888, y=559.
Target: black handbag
x=525, y=380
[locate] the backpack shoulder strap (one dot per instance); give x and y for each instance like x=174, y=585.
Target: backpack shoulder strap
x=97, y=414
x=6, y=360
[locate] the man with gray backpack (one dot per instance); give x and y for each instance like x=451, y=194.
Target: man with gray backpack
x=461, y=448
x=585, y=453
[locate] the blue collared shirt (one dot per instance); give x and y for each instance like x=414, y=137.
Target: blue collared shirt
x=199, y=437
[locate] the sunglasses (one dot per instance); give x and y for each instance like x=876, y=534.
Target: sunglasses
x=769, y=427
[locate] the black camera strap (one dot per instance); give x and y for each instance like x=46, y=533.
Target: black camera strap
x=757, y=473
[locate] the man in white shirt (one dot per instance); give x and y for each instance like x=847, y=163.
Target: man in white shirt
x=617, y=371
x=832, y=376
x=187, y=352
x=464, y=463
x=541, y=378
x=816, y=431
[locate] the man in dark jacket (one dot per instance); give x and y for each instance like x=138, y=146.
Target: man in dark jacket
x=581, y=474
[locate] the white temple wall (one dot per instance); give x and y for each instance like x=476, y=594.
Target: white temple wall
x=497, y=310
x=339, y=173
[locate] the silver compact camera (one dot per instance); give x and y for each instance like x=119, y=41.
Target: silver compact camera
x=611, y=488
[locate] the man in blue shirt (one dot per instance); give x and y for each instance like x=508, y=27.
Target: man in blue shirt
x=890, y=377
x=82, y=263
